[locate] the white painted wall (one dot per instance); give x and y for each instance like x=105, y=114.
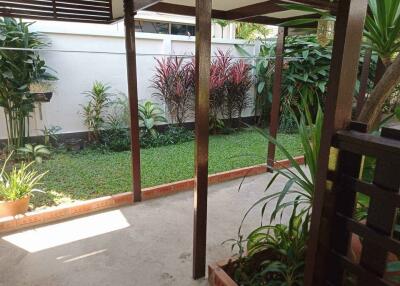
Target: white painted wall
x=83, y=53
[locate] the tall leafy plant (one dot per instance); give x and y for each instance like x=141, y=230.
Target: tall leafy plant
x=18, y=70
x=219, y=76
x=94, y=110
x=239, y=84
x=174, y=86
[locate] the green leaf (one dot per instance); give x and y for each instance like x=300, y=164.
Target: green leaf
x=261, y=86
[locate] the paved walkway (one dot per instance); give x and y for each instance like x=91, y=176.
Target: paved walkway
x=148, y=244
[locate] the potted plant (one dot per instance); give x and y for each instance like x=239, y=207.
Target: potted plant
x=41, y=91
x=16, y=187
x=274, y=254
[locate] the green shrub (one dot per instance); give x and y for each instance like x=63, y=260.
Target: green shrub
x=173, y=135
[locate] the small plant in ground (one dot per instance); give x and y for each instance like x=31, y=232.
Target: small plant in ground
x=150, y=115
x=115, y=135
x=19, y=183
x=34, y=152
x=93, y=111
x=50, y=135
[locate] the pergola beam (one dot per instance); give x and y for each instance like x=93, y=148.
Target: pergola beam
x=253, y=10
x=133, y=97
x=202, y=77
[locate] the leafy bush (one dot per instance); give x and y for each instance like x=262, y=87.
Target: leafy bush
x=18, y=183
x=115, y=135
x=173, y=135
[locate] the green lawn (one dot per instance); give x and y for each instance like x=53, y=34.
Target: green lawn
x=91, y=174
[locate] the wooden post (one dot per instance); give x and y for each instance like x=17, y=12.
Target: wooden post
x=364, y=81
x=343, y=75
x=202, y=73
x=133, y=97
x=276, y=94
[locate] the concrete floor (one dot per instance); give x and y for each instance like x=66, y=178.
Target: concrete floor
x=147, y=244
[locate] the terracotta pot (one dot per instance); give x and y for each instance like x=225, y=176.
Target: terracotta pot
x=13, y=208
x=356, y=250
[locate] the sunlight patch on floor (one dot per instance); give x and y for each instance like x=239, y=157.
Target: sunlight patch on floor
x=54, y=235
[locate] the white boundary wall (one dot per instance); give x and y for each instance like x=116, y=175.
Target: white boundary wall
x=84, y=53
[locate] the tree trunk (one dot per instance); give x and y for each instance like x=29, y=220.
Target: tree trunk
x=372, y=109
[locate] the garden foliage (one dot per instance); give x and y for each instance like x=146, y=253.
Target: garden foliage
x=18, y=70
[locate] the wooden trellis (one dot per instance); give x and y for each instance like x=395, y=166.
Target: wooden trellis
x=344, y=184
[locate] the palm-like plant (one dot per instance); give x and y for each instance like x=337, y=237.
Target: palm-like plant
x=382, y=28
x=93, y=112
x=149, y=116
x=300, y=183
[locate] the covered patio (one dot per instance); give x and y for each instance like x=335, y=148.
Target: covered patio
x=128, y=252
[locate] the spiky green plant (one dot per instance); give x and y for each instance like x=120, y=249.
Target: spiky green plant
x=300, y=180
x=18, y=183
x=93, y=112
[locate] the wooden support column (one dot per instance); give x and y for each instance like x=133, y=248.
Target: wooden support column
x=343, y=75
x=364, y=81
x=276, y=94
x=202, y=74
x=133, y=97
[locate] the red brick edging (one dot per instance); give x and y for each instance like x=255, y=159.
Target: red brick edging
x=29, y=219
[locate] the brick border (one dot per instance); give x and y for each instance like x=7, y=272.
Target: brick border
x=49, y=215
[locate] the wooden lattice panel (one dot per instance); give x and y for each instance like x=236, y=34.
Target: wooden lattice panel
x=376, y=233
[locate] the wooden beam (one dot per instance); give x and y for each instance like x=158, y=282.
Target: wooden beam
x=319, y=4
x=133, y=97
x=364, y=81
x=276, y=94
x=177, y=9
x=343, y=74
x=202, y=74
x=257, y=9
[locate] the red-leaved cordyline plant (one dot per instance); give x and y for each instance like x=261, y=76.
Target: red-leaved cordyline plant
x=239, y=84
x=174, y=84
x=219, y=76
x=230, y=82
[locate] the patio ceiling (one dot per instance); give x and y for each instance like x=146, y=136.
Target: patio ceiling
x=107, y=11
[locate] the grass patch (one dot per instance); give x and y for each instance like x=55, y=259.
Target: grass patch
x=91, y=174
